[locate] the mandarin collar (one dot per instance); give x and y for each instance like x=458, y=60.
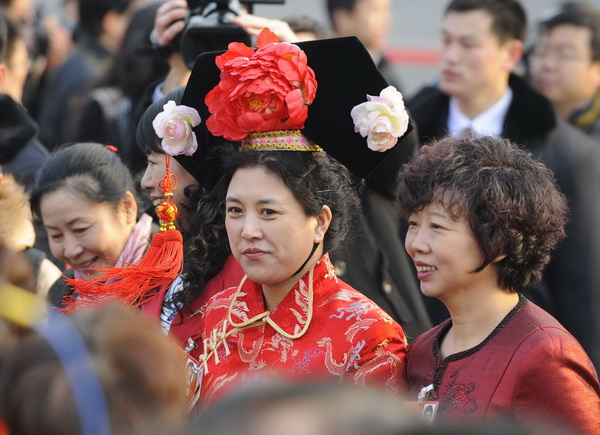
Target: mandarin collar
x=294, y=312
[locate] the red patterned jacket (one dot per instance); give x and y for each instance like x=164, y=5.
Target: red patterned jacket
x=529, y=368
x=322, y=329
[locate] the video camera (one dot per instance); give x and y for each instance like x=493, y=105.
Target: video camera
x=208, y=26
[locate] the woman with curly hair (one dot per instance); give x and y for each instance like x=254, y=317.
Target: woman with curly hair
x=483, y=219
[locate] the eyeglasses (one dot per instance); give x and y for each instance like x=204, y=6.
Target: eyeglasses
x=557, y=55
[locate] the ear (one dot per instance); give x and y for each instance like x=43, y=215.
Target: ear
x=595, y=73
x=515, y=50
x=323, y=222
x=499, y=258
x=3, y=77
x=129, y=206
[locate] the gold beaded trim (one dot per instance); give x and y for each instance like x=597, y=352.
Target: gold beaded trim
x=281, y=140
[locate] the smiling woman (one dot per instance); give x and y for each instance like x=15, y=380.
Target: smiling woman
x=484, y=218
x=84, y=195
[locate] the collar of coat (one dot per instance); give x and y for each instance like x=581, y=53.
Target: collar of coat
x=530, y=117
x=294, y=313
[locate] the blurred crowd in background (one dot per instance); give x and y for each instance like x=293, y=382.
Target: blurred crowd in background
x=86, y=71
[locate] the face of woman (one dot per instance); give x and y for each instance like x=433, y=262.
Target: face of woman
x=269, y=232
x=155, y=172
x=86, y=234
x=446, y=253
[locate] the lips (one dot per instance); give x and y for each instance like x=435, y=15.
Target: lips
x=87, y=264
x=424, y=270
x=449, y=75
x=254, y=253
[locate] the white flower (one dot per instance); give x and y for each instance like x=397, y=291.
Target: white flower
x=382, y=120
x=174, y=126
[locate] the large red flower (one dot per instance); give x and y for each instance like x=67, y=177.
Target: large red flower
x=264, y=90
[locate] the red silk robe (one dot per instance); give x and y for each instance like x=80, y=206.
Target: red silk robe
x=326, y=330
x=188, y=325
x=529, y=368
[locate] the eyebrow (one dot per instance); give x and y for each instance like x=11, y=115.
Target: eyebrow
x=441, y=215
x=261, y=201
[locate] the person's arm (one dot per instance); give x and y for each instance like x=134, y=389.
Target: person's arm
x=557, y=381
x=379, y=355
x=168, y=23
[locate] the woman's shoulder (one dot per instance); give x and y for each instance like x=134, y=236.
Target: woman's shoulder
x=533, y=322
x=343, y=303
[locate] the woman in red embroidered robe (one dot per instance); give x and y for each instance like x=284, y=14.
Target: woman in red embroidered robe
x=291, y=315
x=483, y=219
x=287, y=203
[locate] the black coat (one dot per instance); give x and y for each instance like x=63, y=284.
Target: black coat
x=374, y=260
x=21, y=153
x=570, y=289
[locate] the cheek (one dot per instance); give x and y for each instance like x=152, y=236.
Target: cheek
x=407, y=243
x=232, y=228
x=55, y=248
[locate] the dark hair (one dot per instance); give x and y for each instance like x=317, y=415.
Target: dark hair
x=334, y=5
x=304, y=23
x=146, y=138
x=509, y=20
x=510, y=200
x=92, y=12
x=88, y=169
x=578, y=15
x=148, y=142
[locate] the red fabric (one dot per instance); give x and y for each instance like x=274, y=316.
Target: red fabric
x=529, y=368
x=349, y=337
x=191, y=325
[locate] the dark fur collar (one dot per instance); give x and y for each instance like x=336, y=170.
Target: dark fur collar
x=530, y=117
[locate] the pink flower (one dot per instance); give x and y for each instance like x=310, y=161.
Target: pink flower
x=264, y=90
x=174, y=126
x=382, y=120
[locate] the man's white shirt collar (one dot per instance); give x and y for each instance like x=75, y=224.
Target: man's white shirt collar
x=489, y=122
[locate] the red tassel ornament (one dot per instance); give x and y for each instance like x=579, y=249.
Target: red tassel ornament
x=135, y=284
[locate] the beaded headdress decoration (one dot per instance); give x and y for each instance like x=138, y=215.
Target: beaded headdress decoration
x=264, y=94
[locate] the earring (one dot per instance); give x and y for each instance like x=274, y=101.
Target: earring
x=317, y=236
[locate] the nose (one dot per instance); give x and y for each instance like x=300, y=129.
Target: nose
x=416, y=241
x=147, y=182
x=449, y=53
x=72, y=248
x=251, y=228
